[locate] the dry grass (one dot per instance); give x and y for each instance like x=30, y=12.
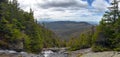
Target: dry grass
x=79, y=55
x=4, y=55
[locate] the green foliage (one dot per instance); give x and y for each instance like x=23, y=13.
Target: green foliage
x=17, y=26
x=84, y=41
x=99, y=48
x=107, y=35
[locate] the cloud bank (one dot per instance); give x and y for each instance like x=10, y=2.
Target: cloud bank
x=62, y=10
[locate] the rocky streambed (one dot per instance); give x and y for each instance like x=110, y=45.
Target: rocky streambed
x=49, y=53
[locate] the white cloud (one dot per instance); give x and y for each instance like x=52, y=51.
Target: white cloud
x=62, y=4
x=100, y=5
x=76, y=10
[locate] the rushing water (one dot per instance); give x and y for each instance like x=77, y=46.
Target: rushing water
x=54, y=54
x=47, y=53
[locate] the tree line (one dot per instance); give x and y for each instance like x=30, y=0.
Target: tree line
x=106, y=35
x=20, y=31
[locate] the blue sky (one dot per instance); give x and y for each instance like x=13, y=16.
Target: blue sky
x=91, y=1
x=66, y=10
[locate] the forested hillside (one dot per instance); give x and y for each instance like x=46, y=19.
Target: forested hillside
x=20, y=31
x=105, y=37
x=68, y=29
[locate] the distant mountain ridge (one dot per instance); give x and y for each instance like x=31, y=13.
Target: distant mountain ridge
x=67, y=29
x=90, y=22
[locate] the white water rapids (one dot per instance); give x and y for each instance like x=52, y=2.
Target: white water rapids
x=50, y=53
x=47, y=53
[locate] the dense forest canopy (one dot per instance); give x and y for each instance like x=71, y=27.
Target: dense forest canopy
x=107, y=36
x=20, y=31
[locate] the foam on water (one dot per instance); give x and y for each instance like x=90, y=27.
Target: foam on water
x=47, y=53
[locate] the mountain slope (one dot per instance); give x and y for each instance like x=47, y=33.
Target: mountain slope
x=19, y=31
x=68, y=29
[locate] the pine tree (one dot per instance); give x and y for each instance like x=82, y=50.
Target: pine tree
x=106, y=36
x=19, y=31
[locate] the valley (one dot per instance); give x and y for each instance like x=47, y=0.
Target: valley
x=68, y=29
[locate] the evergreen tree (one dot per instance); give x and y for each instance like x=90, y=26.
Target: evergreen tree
x=107, y=35
x=19, y=31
